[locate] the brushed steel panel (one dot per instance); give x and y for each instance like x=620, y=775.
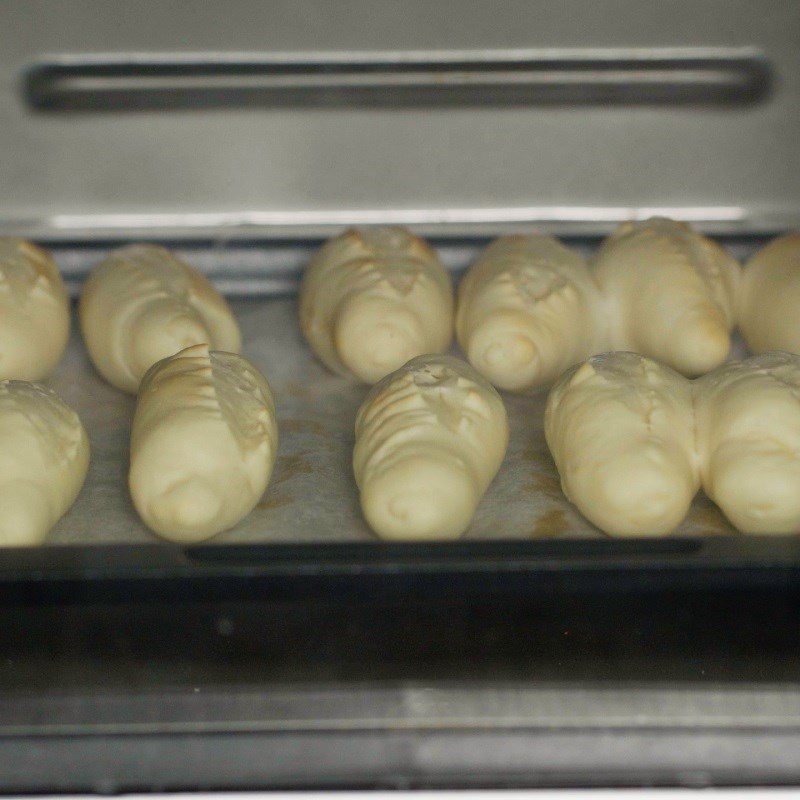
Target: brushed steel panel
x=289, y=169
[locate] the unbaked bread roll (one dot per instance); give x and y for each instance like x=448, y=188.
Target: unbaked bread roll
x=34, y=311
x=430, y=438
x=769, y=297
x=142, y=304
x=526, y=311
x=748, y=434
x=670, y=294
x=372, y=299
x=620, y=429
x=44, y=455
x=203, y=443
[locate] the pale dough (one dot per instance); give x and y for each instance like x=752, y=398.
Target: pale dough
x=620, y=429
x=530, y=307
x=34, y=311
x=142, y=304
x=769, y=298
x=526, y=311
x=748, y=434
x=430, y=438
x=203, y=443
x=371, y=299
x=670, y=294
x=44, y=455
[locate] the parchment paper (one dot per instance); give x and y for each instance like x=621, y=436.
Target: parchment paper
x=312, y=496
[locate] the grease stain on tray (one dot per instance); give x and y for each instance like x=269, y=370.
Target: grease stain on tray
x=551, y=524
x=547, y=484
x=536, y=452
x=303, y=426
x=295, y=389
x=275, y=501
x=290, y=466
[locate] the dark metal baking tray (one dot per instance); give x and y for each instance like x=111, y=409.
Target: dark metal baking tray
x=309, y=521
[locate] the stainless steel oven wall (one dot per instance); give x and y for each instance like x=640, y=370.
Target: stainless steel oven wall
x=245, y=118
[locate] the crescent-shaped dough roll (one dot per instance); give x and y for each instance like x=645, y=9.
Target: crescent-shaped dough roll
x=527, y=311
x=142, y=304
x=44, y=455
x=430, y=438
x=620, y=429
x=203, y=443
x=34, y=311
x=372, y=299
x=748, y=433
x=769, y=297
x=670, y=294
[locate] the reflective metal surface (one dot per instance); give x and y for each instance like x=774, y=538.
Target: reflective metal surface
x=564, y=115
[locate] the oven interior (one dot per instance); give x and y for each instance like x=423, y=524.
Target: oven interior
x=297, y=650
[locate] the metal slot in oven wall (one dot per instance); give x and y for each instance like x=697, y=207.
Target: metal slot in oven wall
x=415, y=79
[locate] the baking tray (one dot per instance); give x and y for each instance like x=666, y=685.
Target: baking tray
x=308, y=520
